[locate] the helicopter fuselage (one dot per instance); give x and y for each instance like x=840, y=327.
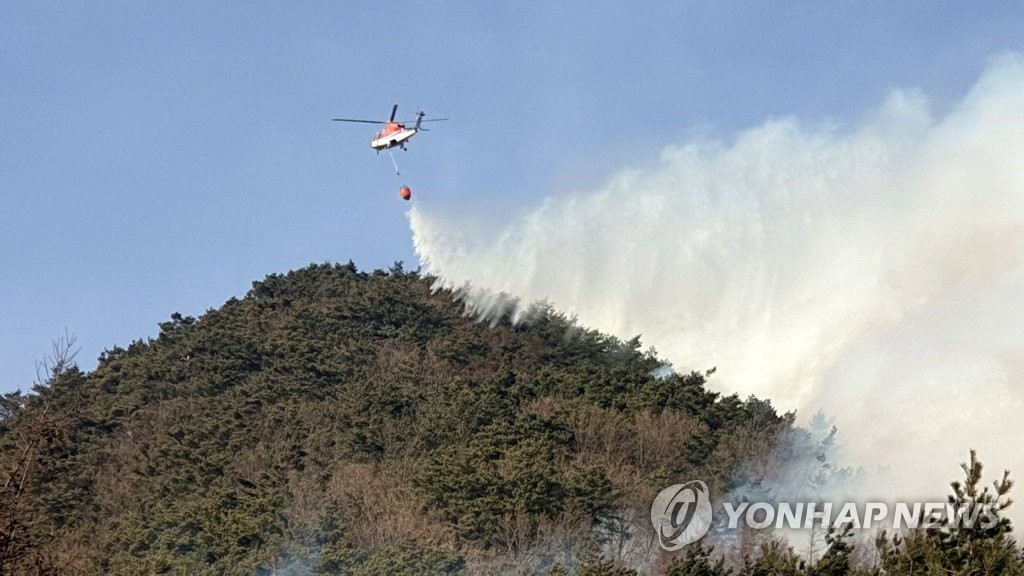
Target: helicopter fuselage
x=393, y=134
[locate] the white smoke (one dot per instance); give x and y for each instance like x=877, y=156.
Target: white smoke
x=874, y=272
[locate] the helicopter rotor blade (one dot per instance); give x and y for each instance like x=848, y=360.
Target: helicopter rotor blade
x=393, y=111
x=360, y=121
x=423, y=120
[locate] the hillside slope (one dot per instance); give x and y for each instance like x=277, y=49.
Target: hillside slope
x=334, y=420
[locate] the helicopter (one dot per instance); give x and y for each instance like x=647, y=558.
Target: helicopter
x=394, y=133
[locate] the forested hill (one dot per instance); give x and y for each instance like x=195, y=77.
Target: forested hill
x=337, y=421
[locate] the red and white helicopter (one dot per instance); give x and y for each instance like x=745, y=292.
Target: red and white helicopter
x=394, y=133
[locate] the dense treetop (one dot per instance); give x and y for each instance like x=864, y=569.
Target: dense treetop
x=339, y=421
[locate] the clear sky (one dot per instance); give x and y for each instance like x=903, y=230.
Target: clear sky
x=157, y=157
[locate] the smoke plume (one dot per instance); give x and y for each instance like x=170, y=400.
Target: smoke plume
x=874, y=272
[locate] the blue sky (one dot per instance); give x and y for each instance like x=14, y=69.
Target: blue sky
x=159, y=157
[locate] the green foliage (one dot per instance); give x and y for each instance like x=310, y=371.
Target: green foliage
x=974, y=541
x=836, y=561
x=698, y=562
x=774, y=558
x=513, y=469
x=334, y=421
x=410, y=560
x=603, y=568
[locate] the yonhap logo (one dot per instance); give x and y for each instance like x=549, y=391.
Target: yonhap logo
x=681, y=514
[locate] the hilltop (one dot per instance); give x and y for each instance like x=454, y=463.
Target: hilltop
x=340, y=421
